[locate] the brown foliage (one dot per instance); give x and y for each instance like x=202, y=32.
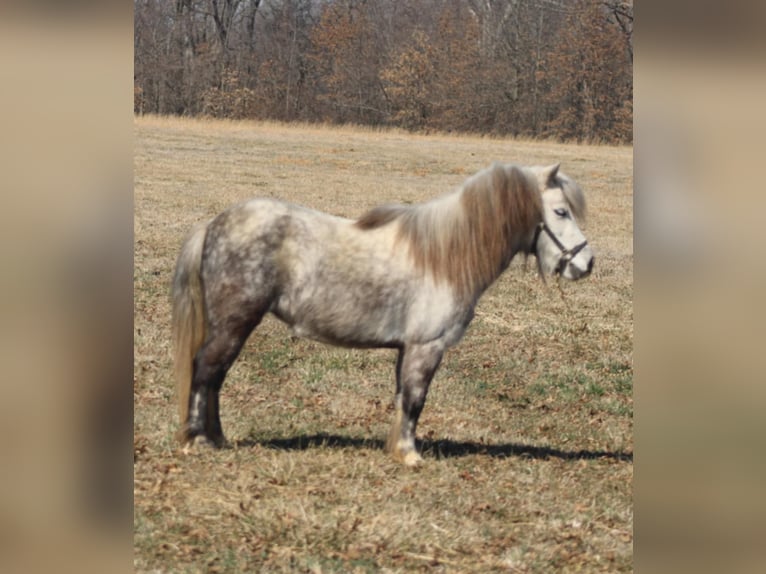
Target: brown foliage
x=431, y=82
x=589, y=71
x=410, y=82
x=231, y=100
x=346, y=62
x=540, y=69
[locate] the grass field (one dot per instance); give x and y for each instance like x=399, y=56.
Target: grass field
x=527, y=433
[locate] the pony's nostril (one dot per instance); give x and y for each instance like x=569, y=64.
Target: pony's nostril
x=590, y=264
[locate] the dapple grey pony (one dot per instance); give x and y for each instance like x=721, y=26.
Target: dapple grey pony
x=402, y=277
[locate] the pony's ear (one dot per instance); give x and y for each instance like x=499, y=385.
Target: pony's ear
x=549, y=175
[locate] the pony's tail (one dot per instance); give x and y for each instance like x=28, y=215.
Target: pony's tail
x=188, y=320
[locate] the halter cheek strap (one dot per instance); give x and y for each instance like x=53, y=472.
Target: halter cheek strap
x=566, y=254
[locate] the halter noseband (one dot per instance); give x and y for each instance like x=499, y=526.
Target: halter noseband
x=566, y=254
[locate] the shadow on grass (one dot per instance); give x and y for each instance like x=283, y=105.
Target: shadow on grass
x=438, y=449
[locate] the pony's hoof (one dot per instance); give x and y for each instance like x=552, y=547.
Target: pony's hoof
x=202, y=441
x=404, y=452
x=412, y=458
x=198, y=443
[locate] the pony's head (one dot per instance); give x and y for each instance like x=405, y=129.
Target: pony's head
x=559, y=245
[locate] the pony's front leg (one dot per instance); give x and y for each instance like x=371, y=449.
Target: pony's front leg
x=415, y=368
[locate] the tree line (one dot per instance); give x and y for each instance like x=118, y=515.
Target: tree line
x=530, y=68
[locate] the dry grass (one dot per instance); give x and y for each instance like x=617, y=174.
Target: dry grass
x=527, y=432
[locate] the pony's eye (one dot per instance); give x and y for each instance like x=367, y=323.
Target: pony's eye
x=561, y=212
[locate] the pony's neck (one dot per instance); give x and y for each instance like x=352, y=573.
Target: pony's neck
x=464, y=238
x=467, y=238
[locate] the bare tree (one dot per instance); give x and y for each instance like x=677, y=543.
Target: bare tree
x=557, y=68
x=493, y=17
x=622, y=12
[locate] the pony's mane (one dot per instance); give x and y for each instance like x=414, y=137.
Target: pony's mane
x=467, y=237
x=574, y=196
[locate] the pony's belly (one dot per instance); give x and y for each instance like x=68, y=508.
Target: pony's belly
x=355, y=315
x=346, y=325
x=349, y=339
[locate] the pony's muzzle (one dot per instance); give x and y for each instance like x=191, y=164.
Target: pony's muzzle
x=567, y=268
x=578, y=273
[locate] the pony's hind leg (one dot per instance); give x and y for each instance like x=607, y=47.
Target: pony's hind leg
x=416, y=367
x=211, y=364
x=237, y=280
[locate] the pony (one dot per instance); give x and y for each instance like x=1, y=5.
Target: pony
x=400, y=277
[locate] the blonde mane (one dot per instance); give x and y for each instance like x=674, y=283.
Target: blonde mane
x=468, y=237
x=574, y=196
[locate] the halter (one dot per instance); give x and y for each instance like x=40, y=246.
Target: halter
x=566, y=254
